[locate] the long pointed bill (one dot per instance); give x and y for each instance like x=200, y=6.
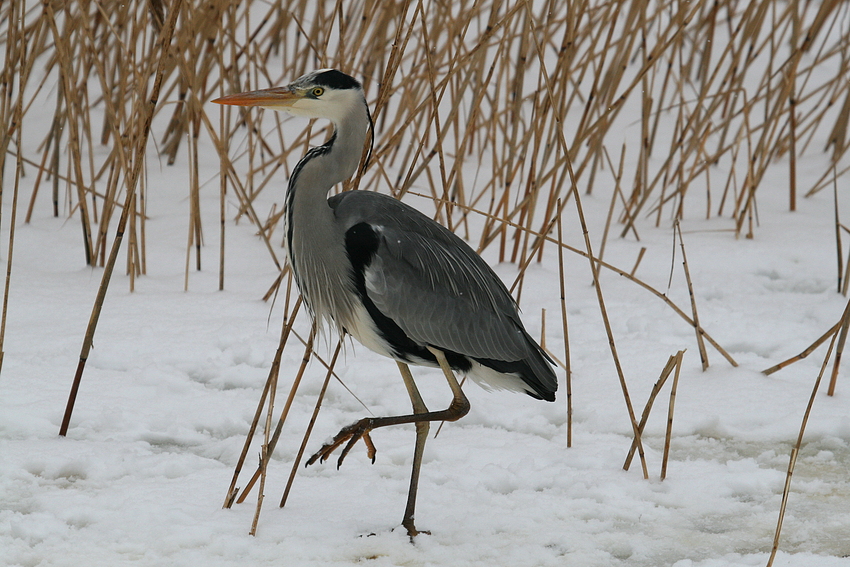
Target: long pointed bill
x=277, y=97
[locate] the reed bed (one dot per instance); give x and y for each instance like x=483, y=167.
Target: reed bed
x=497, y=111
x=503, y=113
x=469, y=101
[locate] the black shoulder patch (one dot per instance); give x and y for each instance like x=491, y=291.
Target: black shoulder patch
x=361, y=243
x=334, y=79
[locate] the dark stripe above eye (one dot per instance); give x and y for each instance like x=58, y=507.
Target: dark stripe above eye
x=336, y=80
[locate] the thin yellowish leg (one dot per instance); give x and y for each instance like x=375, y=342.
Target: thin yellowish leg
x=350, y=434
x=422, y=428
x=459, y=401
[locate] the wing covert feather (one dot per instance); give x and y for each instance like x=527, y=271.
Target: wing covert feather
x=431, y=283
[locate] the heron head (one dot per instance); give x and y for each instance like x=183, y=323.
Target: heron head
x=326, y=93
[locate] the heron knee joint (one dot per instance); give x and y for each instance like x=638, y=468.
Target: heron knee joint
x=458, y=408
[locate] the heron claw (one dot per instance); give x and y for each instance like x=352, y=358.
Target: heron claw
x=412, y=532
x=350, y=433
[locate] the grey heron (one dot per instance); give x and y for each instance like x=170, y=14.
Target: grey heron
x=400, y=283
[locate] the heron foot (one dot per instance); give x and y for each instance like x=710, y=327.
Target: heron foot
x=412, y=532
x=350, y=433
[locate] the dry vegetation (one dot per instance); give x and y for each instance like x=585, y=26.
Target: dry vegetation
x=726, y=90
x=496, y=110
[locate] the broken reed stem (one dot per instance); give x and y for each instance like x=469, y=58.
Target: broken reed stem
x=637, y=261
x=809, y=350
x=145, y=109
x=656, y=389
x=796, y=449
x=310, y=425
x=669, y=433
x=270, y=442
x=703, y=355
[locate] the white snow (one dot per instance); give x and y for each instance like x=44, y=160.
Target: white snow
x=173, y=381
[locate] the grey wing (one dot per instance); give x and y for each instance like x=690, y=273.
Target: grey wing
x=432, y=284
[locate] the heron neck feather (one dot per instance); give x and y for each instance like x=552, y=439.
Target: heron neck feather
x=315, y=241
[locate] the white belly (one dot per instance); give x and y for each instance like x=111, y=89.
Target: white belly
x=362, y=328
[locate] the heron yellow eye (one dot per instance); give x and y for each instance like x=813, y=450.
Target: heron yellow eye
x=318, y=91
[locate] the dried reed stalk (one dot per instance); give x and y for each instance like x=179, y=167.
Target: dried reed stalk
x=838, y=248
x=844, y=324
x=806, y=352
x=669, y=433
x=18, y=114
x=595, y=273
x=270, y=441
x=567, y=358
x=845, y=317
x=288, y=321
x=703, y=355
x=310, y=425
x=145, y=113
x=672, y=363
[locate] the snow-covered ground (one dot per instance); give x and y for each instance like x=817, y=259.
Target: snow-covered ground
x=173, y=381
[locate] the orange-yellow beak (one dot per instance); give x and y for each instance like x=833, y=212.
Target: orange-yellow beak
x=276, y=97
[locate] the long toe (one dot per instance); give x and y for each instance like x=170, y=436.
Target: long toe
x=412, y=532
x=349, y=435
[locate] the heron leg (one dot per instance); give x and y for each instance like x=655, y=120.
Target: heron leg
x=459, y=397
x=350, y=434
x=361, y=429
x=422, y=428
